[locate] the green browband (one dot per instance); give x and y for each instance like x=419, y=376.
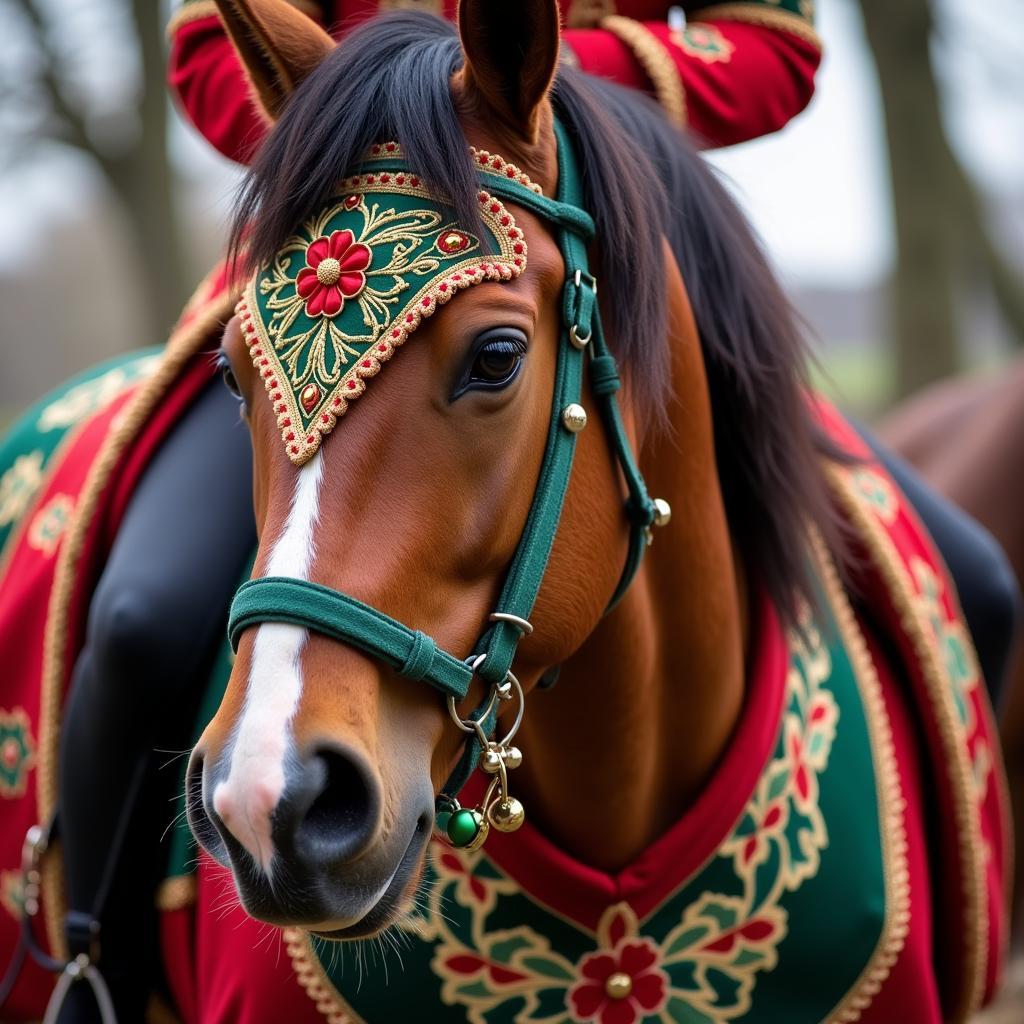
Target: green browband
x=412, y=653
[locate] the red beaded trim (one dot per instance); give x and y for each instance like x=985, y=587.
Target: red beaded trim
x=508, y=264
x=492, y=162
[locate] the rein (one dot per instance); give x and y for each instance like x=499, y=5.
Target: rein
x=414, y=654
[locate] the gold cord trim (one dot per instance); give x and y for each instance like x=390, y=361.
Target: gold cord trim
x=886, y=558
x=891, y=804
x=177, y=892
x=656, y=62
x=310, y=974
x=754, y=14
x=184, y=343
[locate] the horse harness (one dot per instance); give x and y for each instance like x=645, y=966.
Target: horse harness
x=414, y=654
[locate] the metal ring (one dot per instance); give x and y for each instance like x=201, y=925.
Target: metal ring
x=578, y=341
x=577, y=280
x=520, y=623
x=468, y=724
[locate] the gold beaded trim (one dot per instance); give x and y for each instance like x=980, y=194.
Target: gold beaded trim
x=754, y=14
x=656, y=62
x=310, y=974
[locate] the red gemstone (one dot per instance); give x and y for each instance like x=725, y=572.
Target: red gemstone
x=286, y=422
x=367, y=363
x=326, y=418
x=351, y=385
x=391, y=147
x=290, y=436
x=337, y=401
x=414, y=181
x=442, y=287
x=400, y=179
x=495, y=207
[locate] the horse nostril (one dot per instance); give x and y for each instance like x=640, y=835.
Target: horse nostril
x=343, y=807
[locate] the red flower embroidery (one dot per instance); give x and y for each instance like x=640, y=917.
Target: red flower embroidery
x=619, y=987
x=335, y=271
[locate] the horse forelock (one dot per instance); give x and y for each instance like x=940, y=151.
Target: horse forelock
x=390, y=78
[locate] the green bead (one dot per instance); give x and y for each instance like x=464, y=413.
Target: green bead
x=462, y=827
x=441, y=820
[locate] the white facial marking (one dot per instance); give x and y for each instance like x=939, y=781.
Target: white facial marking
x=245, y=800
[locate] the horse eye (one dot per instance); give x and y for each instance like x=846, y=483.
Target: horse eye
x=496, y=362
x=228, y=376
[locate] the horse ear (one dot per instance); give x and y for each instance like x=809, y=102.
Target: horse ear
x=277, y=44
x=511, y=51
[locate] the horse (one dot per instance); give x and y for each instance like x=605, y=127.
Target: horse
x=451, y=243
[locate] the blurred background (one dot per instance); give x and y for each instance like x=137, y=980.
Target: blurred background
x=893, y=207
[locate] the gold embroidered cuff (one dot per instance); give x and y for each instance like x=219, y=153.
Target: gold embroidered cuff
x=656, y=62
x=755, y=14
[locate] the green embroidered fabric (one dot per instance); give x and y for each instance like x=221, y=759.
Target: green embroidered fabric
x=784, y=921
x=352, y=284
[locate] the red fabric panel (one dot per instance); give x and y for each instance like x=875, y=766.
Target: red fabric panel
x=243, y=973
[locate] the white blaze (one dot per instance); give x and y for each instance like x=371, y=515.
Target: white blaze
x=245, y=800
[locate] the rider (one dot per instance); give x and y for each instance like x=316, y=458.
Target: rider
x=733, y=72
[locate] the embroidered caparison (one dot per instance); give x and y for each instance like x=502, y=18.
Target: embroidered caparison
x=345, y=291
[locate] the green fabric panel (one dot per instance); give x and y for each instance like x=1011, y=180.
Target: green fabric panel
x=27, y=447
x=819, y=881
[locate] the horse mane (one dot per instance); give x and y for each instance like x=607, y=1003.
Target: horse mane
x=389, y=80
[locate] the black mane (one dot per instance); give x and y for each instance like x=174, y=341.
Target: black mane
x=389, y=80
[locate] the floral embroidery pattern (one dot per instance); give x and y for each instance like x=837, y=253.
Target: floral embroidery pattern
x=84, y=399
x=335, y=271
x=351, y=285
x=705, y=42
x=49, y=523
x=12, y=893
x=17, y=751
x=19, y=485
x=623, y=985
x=877, y=492
x=705, y=968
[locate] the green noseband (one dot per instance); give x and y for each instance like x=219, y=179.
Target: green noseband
x=407, y=651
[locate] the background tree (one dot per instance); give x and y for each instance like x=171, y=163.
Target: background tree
x=127, y=142
x=945, y=251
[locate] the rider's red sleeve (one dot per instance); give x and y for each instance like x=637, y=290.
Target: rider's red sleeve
x=735, y=72
x=204, y=73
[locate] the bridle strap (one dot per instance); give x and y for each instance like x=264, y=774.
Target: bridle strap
x=412, y=653
x=334, y=614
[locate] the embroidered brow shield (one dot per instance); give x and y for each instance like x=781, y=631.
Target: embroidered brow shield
x=347, y=289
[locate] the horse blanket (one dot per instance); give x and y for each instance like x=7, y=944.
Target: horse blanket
x=848, y=860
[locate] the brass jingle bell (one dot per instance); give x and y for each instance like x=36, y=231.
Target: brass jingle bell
x=507, y=815
x=490, y=761
x=513, y=758
x=480, y=838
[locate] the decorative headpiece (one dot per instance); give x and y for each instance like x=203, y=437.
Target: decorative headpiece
x=356, y=280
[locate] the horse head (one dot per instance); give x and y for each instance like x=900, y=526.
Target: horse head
x=319, y=771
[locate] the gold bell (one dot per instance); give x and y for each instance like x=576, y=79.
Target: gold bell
x=513, y=758
x=574, y=417
x=490, y=761
x=480, y=838
x=507, y=815
x=662, y=512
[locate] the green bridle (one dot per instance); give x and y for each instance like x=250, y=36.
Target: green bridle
x=414, y=654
